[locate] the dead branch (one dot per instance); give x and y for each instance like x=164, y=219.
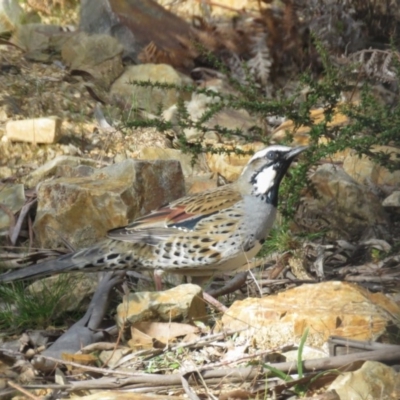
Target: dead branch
x=17, y=227
x=233, y=375
x=83, y=332
x=234, y=284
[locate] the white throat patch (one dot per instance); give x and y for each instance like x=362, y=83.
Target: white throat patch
x=264, y=180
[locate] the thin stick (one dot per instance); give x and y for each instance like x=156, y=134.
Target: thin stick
x=12, y=218
x=116, y=345
x=22, y=390
x=215, y=303
x=88, y=368
x=17, y=228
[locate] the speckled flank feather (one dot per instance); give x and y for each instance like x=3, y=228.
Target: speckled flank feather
x=197, y=235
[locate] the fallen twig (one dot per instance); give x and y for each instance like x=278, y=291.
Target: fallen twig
x=234, y=284
x=214, y=302
x=22, y=390
x=12, y=218
x=18, y=225
x=83, y=332
x=232, y=374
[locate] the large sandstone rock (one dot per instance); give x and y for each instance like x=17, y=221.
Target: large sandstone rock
x=300, y=134
x=327, y=308
x=345, y=207
x=51, y=169
x=373, y=380
x=176, y=304
x=365, y=171
x=82, y=209
x=148, y=98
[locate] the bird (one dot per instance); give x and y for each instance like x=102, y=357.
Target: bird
x=198, y=235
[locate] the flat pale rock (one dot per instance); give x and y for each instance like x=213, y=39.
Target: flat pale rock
x=176, y=304
x=393, y=200
x=37, y=130
x=82, y=209
x=372, y=381
x=327, y=308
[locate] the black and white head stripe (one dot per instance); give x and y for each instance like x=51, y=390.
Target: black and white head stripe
x=270, y=153
x=270, y=165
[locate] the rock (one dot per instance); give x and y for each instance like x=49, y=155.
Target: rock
x=37, y=39
x=51, y=168
x=98, y=55
x=133, y=24
x=176, y=304
x=300, y=134
x=147, y=98
x=157, y=153
x=78, y=289
x=201, y=183
x=5, y=172
x=83, y=209
x=348, y=208
x=11, y=15
x=13, y=197
x=231, y=166
x=112, y=357
x=365, y=171
x=228, y=118
x=373, y=380
x=393, y=200
x=38, y=130
x=327, y=308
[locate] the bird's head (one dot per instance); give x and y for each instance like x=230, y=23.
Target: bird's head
x=265, y=170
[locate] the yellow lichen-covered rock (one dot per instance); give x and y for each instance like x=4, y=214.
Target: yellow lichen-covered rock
x=83, y=209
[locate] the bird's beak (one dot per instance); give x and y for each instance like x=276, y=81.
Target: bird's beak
x=294, y=152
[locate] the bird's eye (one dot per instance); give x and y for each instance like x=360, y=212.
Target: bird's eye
x=272, y=155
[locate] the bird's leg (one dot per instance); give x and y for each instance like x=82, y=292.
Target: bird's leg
x=205, y=280
x=157, y=275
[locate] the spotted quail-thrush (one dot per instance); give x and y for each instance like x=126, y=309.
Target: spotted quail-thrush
x=198, y=235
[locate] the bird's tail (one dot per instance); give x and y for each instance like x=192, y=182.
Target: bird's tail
x=59, y=265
